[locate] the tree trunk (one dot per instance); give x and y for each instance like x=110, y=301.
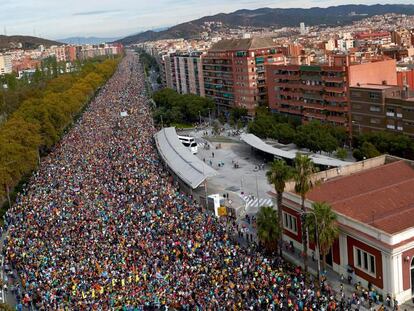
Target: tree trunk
x=304, y=241
x=280, y=216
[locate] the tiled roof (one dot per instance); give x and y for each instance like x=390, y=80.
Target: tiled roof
x=382, y=197
x=243, y=44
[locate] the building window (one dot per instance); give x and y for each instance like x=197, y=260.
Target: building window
x=290, y=223
x=356, y=106
x=364, y=261
x=356, y=94
x=375, y=121
x=375, y=109
x=374, y=95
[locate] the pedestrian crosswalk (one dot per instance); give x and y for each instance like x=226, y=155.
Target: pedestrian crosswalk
x=254, y=202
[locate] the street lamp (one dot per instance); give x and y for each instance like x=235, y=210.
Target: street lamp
x=257, y=190
x=317, y=240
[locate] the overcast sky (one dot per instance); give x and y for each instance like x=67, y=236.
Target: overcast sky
x=56, y=19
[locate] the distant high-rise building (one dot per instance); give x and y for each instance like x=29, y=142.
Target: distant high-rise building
x=302, y=28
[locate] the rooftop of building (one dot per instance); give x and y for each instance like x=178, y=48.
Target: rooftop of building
x=381, y=197
x=374, y=86
x=243, y=44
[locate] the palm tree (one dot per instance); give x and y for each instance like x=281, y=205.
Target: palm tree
x=268, y=229
x=278, y=175
x=304, y=169
x=327, y=227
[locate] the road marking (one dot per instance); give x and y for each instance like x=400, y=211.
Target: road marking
x=258, y=202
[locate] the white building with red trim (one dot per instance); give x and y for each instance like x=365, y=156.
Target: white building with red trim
x=374, y=203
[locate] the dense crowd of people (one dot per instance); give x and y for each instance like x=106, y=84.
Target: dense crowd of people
x=102, y=226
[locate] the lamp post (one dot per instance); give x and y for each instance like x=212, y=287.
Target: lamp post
x=257, y=190
x=317, y=241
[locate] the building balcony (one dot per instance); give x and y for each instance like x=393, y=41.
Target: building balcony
x=289, y=67
x=335, y=89
x=287, y=77
x=311, y=87
x=291, y=102
x=333, y=79
x=290, y=93
x=333, y=68
x=288, y=84
x=289, y=110
x=337, y=119
x=336, y=99
x=314, y=115
x=314, y=106
x=336, y=108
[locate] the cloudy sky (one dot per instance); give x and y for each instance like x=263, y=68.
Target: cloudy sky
x=56, y=19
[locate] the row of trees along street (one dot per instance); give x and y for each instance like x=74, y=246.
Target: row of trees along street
x=173, y=108
x=14, y=91
x=40, y=120
x=270, y=223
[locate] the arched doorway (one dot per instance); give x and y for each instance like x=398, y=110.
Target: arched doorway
x=412, y=276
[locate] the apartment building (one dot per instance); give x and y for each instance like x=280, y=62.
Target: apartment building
x=234, y=72
x=321, y=91
x=5, y=64
x=401, y=37
x=382, y=108
x=372, y=38
x=183, y=72
x=189, y=74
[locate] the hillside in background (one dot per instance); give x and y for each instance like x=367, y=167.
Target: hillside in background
x=268, y=17
x=87, y=40
x=26, y=42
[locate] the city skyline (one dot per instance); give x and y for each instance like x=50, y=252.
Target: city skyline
x=54, y=20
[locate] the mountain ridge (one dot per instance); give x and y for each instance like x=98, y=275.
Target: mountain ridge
x=27, y=42
x=274, y=17
x=88, y=40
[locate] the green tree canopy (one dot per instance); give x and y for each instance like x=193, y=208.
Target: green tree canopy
x=278, y=175
x=327, y=227
x=268, y=229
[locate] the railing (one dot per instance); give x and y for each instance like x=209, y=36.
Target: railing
x=286, y=77
x=333, y=79
x=312, y=87
x=288, y=110
x=337, y=99
x=313, y=106
x=314, y=115
x=336, y=119
x=334, y=89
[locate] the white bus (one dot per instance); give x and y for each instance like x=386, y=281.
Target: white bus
x=189, y=142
